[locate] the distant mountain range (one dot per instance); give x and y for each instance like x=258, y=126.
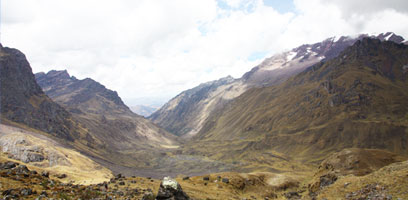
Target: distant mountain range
x=144, y=110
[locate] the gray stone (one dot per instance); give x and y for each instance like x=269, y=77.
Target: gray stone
x=225, y=180
x=171, y=190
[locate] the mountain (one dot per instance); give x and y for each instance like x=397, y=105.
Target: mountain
x=103, y=112
x=124, y=142
x=37, y=131
x=23, y=101
x=143, y=110
x=354, y=100
x=185, y=114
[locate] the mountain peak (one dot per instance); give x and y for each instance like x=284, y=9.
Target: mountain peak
x=61, y=74
x=390, y=36
x=23, y=101
x=73, y=92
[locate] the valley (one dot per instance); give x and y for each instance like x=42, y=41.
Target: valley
x=322, y=121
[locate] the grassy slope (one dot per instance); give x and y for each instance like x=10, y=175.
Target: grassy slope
x=354, y=100
x=393, y=178
x=78, y=168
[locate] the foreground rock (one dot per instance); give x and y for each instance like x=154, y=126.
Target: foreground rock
x=171, y=190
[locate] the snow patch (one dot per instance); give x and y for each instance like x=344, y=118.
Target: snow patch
x=312, y=53
x=388, y=36
x=336, y=39
x=291, y=55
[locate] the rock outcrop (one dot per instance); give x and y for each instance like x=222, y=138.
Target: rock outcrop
x=171, y=190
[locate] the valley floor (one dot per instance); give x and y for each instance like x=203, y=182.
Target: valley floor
x=390, y=182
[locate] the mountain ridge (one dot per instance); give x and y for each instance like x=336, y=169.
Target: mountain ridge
x=101, y=109
x=185, y=114
x=23, y=101
x=353, y=100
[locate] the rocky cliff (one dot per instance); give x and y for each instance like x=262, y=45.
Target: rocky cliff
x=23, y=101
x=86, y=95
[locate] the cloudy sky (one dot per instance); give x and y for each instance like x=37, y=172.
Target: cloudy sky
x=151, y=50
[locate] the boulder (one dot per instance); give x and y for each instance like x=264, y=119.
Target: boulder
x=171, y=190
x=225, y=180
x=8, y=165
x=26, y=191
x=293, y=195
x=22, y=169
x=45, y=174
x=61, y=176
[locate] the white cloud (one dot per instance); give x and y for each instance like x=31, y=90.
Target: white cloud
x=158, y=48
x=353, y=7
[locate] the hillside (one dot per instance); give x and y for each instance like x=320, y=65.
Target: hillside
x=122, y=138
x=353, y=100
x=185, y=114
x=37, y=131
x=102, y=111
x=45, y=154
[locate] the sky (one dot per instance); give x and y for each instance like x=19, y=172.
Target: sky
x=151, y=50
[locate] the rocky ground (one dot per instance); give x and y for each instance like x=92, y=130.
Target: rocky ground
x=17, y=181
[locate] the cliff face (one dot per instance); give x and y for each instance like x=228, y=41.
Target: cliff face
x=80, y=94
x=23, y=101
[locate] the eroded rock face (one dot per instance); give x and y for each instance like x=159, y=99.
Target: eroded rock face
x=19, y=147
x=23, y=101
x=171, y=190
